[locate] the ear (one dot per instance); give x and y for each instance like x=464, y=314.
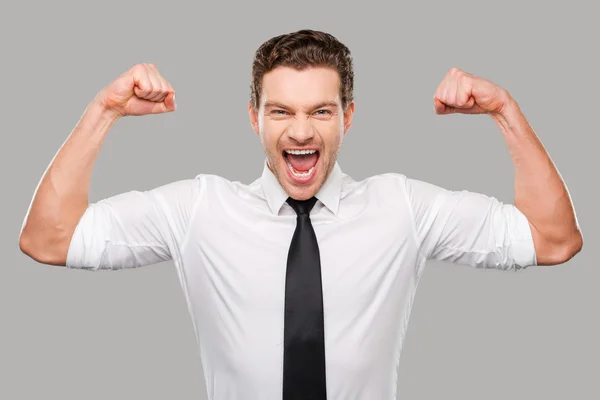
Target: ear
x=348, y=114
x=253, y=117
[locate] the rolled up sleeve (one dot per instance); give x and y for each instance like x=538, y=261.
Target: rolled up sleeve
x=133, y=229
x=470, y=228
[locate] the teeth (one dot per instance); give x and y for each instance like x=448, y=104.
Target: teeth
x=299, y=174
x=301, y=152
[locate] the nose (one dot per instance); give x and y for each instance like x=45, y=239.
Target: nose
x=301, y=130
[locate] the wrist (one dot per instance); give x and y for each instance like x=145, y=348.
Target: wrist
x=510, y=119
x=97, y=106
x=509, y=105
x=97, y=120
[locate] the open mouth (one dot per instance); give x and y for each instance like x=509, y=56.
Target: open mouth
x=301, y=163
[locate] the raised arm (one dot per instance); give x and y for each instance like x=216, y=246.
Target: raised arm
x=61, y=197
x=540, y=193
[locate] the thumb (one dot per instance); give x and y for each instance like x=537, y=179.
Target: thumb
x=470, y=102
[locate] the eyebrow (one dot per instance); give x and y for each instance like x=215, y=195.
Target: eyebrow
x=313, y=107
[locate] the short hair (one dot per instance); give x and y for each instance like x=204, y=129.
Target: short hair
x=303, y=49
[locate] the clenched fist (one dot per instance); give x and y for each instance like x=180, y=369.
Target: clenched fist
x=139, y=91
x=461, y=92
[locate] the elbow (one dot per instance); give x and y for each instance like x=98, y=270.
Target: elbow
x=556, y=248
x=575, y=244
x=50, y=252
x=27, y=245
x=47, y=241
x=568, y=248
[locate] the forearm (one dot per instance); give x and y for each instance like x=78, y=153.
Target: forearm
x=540, y=193
x=61, y=197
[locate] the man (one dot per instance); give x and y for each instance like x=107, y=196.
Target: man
x=300, y=284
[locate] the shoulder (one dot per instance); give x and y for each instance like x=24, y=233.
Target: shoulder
x=386, y=182
x=387, y=190
x=216, y=185
x=195, y=185
x=396, y=187
x=176, y=195
x=200, y=186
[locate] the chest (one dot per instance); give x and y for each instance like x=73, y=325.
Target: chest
x=241, y=255
x=234, y=268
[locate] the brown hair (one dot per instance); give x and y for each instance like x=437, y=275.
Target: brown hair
x=303, y=49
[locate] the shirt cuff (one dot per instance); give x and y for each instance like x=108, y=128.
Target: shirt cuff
x=87, y=244
x=523, y=249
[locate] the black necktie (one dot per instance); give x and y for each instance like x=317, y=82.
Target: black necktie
x=304, y=342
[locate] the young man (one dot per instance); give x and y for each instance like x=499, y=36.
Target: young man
x=300, y=284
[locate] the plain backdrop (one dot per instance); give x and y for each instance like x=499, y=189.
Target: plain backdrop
x=473, y=334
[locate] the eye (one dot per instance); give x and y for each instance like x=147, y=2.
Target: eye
x=278, y=112
x=323, y=115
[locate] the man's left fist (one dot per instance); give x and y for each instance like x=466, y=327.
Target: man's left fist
x=460, y=92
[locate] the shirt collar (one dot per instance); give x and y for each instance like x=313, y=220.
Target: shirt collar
x=329, y=194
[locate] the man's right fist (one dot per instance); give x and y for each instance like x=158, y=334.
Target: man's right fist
x=139, y=91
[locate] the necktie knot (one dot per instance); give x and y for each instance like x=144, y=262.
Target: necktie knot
x=302, y=206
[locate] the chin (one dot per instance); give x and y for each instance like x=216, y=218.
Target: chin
x=300, y=193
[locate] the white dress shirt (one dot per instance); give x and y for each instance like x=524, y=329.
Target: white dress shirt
x=229, y=243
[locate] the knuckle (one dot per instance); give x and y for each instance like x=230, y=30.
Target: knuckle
x=139, y=68
x=164, y=82
x=464, y=80
x=138, y=72
x=145, y=87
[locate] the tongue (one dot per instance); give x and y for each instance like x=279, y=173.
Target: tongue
x=304, y=162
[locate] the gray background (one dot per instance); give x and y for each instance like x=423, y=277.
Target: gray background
x=127, y=335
